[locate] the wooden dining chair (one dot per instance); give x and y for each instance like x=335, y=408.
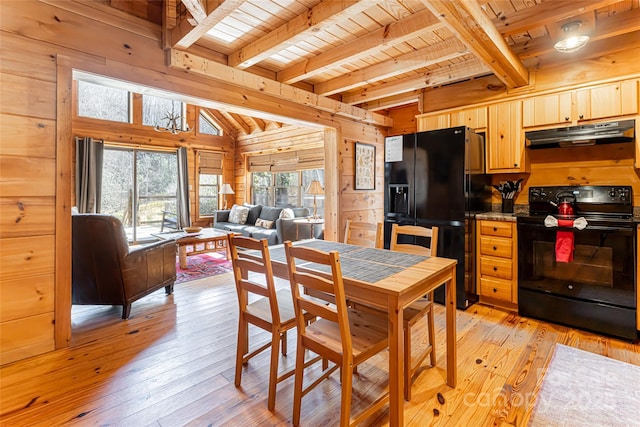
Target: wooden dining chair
x=420, y=308
x=340, y=334
x=267, y=308
x=363, y=234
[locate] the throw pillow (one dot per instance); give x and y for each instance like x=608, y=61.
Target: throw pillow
x=270, y=213
x=287, y=213
x=238, y=214
x=254, y=213
x=264, y=223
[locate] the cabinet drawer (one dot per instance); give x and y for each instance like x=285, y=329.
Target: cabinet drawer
x=495, y=228
x=496, y=288
x=496, y=246
x=496, y=267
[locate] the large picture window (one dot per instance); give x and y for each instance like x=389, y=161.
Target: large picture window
x=159, y=111
x=286, y=189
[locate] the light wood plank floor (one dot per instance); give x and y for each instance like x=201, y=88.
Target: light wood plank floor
x=172, y=364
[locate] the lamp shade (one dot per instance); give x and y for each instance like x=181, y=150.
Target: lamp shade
x=315, y=188
x=226, y=189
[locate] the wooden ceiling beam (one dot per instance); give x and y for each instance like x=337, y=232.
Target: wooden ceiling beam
x=405, y=98
x=237, y=121
x=546, y=13
x=184, y=34
x=254, y=123
x=319, y=17
x=197, y=65
x=196, y=9
x=372, y=43
x=474, y=28
x=461, y=71
x=421, y=58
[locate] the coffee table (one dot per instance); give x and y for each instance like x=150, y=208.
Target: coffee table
x=206, y=240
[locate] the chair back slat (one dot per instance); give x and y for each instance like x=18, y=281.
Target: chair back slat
x=416, y=232
x=363, y=234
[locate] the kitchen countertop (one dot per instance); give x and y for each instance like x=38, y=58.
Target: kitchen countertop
x=497, y=216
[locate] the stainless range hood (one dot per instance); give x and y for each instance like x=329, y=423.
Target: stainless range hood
x=576, y=136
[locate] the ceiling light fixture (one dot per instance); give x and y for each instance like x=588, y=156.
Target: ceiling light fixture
x=174, y=124
x=573, y=40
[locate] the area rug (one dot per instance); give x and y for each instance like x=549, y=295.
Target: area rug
x=202, y=265
x=586, y=389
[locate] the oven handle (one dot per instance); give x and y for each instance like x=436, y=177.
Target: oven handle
x=621, y=230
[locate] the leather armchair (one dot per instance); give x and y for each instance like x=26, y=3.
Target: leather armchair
x=105, y=271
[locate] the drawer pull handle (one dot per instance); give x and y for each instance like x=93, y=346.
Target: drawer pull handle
x=566, y=119
x=495, y=268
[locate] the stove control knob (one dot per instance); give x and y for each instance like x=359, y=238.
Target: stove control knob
x=612, y=193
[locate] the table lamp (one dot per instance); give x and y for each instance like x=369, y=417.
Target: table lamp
x=315, y=188
x=224, y=190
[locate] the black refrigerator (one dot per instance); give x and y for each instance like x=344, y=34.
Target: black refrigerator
x=437, y=178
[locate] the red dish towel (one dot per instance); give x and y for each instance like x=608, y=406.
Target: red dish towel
x=564, y=242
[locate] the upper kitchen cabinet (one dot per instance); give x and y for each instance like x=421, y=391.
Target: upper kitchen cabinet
x=433, y=121
x=547, y=110
x=609, y=100
x=505, y=141
x=474, y=118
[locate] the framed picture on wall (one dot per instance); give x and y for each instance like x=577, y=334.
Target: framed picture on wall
x=365, y=167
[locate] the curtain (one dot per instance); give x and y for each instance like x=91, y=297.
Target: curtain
x=89, y=160
x=184, y=216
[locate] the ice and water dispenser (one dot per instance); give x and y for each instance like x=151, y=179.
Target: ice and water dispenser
x=398, y=198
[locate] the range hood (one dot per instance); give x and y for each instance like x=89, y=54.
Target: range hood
x=576, y=136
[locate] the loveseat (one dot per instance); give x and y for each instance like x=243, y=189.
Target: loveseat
x=265, y=222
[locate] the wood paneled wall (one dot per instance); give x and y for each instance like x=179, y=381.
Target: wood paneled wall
x=41, y=42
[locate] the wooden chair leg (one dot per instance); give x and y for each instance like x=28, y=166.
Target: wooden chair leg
x=273, y=370
x=241, y=349
x=432, y=335
x=407, y=363
x=346, y=377
x=297, y=385
x=284, y=343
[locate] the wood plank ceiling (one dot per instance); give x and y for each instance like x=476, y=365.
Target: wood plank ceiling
x=381, y=54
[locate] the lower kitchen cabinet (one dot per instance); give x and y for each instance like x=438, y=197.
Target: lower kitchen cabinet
x=497, y=263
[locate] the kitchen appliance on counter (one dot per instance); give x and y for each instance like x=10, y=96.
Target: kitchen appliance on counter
x=575, y=275
x=437, y=178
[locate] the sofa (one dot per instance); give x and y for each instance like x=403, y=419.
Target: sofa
x=266, y=222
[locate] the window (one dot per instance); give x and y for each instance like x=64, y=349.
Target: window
x=140, y=188
x=206, y=125
x=103, y=102
x=262, y=188
x=208, y=186
x=160, y=111
x=209, y=179
x=286, y=189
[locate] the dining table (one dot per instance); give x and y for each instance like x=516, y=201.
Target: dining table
x=390, y=281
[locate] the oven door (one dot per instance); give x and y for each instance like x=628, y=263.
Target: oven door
x=595, y=291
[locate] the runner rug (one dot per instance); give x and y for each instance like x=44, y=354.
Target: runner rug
x=202, y=265
x=586, y=389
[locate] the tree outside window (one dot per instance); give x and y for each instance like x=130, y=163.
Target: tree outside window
x=103, y=102
x=286, y=189
x=262, y=190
